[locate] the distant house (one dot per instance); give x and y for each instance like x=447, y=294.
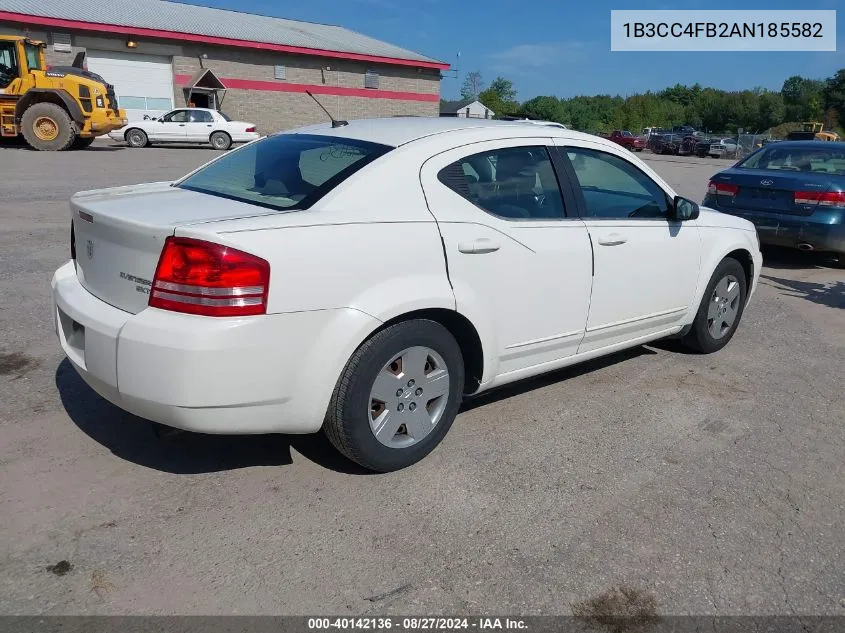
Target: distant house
x=468, y=108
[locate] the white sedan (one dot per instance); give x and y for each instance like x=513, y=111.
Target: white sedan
x=187, y=125
x=364, y=278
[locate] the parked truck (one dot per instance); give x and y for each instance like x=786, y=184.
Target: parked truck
x=627, y=140
x=63, y=107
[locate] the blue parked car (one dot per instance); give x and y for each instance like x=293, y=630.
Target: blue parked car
x=793, y=191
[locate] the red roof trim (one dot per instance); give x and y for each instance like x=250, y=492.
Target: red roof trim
x=210, y=39
x=283, y=86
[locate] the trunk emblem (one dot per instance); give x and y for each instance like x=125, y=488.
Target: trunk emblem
x=89, y=248
x=767, y=182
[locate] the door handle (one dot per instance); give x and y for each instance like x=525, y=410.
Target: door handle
x=478, y=247
x=181, y=125
x=613, y=239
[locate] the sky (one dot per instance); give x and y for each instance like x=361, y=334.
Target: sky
x=555, y=47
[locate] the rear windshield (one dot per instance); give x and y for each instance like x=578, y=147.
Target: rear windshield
x=287, y=171
x=821, y=159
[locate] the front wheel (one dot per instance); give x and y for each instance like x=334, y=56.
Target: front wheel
x=397, y=396
x=720, y=310
x=136, y=138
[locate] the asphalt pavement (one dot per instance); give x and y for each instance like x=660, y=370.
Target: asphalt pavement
x=710, y=484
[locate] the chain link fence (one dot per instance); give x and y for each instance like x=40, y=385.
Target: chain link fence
x=749, y=143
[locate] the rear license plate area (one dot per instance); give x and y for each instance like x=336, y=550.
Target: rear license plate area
x=764, y=194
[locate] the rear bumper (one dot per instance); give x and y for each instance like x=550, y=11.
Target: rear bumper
x=791, y=231
x=245, y=137
x=267, y=374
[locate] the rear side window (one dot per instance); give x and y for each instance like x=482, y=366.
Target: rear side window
x=515, y=183
x=201, y=116
x=287, y=171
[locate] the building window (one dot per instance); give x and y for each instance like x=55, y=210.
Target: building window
x=279, y=72
x=371, y=79
x=61, y=42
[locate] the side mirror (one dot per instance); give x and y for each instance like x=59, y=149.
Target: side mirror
x=684, y=209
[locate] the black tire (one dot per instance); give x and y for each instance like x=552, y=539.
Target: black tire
x=82, y=143
x=220, y=141
x=51, y=115
x=699, y=337
x=136, y=137
x=347, y=422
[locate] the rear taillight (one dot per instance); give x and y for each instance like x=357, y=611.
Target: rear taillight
x=201, y=277
x=821, y=198
x=251, y=129
x=722, y=189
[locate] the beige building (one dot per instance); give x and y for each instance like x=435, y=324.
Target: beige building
x=160, y=55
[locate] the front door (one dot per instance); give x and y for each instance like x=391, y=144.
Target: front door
x=646, y=265
x=518, y=257
x=171, y=128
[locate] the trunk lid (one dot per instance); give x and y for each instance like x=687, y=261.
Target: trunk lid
x=769, y=191
x=119, y=234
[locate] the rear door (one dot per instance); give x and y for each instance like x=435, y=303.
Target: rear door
x=646, y=265
x=199, y=127
x=518, y=256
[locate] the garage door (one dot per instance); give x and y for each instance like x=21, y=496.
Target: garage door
x=143, y=83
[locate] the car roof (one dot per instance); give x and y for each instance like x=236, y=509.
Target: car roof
x=396, y=131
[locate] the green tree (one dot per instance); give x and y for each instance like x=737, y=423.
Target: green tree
x=500, y=97
x=472, y=86
x=545, y=108
x=834, y=98
x=803, y=98
x=771, y=110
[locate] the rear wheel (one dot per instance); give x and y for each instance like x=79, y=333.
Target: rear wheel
x=221, y=141
x=82, y=143
x=397, y=396
x=720, y=310
x=47, y=127
x=136, y=138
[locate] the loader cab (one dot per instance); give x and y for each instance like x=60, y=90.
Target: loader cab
x=19, y=57
x=9, y=69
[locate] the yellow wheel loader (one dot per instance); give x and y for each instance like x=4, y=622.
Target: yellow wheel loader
x=813, y=130
x=64, y=107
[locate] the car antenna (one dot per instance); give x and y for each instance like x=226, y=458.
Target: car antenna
x=335, y=122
